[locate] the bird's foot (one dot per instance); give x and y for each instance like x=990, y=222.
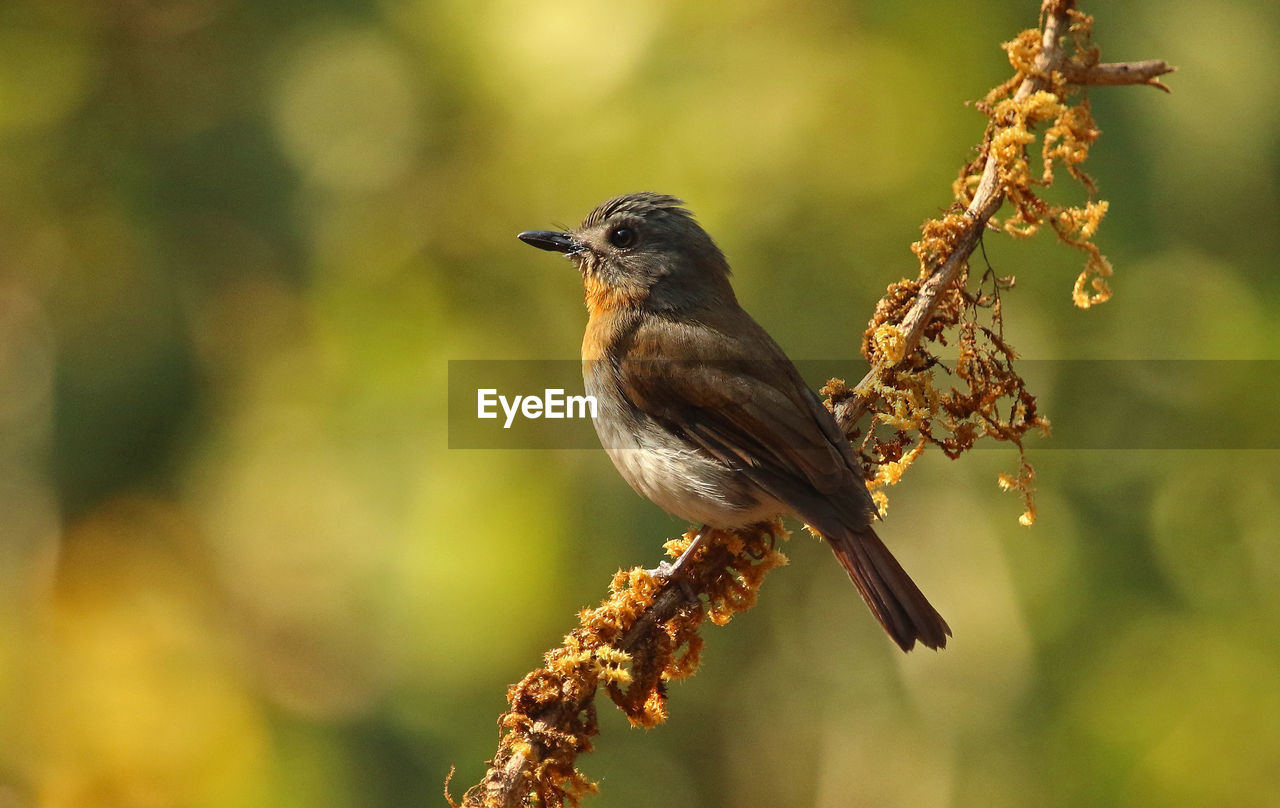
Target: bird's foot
x=669, y=571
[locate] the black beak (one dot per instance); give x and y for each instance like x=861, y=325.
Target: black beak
x=547, y=240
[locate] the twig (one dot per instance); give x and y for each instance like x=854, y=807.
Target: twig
x=1119, y=73
x=988, y=196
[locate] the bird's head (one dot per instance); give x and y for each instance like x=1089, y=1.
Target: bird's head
x=643, y=251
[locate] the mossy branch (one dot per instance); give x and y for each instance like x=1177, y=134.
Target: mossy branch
x=1050, y=70
x=642, y=636
x=1047, y=90
x=645, y=633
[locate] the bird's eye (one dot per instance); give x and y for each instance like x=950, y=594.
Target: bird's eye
x=623, y=237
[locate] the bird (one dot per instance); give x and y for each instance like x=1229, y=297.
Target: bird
x=704, y=414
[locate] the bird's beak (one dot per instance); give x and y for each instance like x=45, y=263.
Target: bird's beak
x=547, y=240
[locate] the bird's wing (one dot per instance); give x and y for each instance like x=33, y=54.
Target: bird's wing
x=734, y=394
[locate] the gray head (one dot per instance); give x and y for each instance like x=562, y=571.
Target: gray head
x=643, y=251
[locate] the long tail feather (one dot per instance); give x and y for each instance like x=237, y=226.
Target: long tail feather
x=894, y=598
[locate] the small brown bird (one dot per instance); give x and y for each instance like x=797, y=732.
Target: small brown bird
x=703, y=413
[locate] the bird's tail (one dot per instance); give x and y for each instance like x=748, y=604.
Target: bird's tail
x=894, y=598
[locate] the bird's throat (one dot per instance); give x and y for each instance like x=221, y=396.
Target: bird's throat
x=607, y=299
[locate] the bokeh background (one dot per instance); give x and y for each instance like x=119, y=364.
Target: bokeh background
x=240, y=241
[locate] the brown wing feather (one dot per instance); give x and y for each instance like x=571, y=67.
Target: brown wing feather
x=740, y=399
x=743, y=391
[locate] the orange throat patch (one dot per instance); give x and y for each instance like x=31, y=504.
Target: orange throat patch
x=603, y=299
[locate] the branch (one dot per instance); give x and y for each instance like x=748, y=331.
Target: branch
x=986, y=201
x=1057, y=16
x=629, y=644
x=645, y=633
x=508, y=785
x=1119, y=73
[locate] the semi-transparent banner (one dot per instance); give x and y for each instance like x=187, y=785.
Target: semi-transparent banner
x=1092, y=404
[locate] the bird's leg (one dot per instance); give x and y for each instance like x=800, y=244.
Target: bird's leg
x=668, y=570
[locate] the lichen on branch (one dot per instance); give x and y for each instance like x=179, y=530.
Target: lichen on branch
x=986, y=396
x=642, y=636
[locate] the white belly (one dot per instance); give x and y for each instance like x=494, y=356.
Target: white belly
x=680, y=478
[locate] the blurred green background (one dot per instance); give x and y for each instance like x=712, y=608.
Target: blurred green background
x=239, y=242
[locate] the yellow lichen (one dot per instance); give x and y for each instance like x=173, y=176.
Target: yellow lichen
x=1076, y=226
x=1024, y=484
x=889, y=473
x=938, y=238
x=890, y=343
